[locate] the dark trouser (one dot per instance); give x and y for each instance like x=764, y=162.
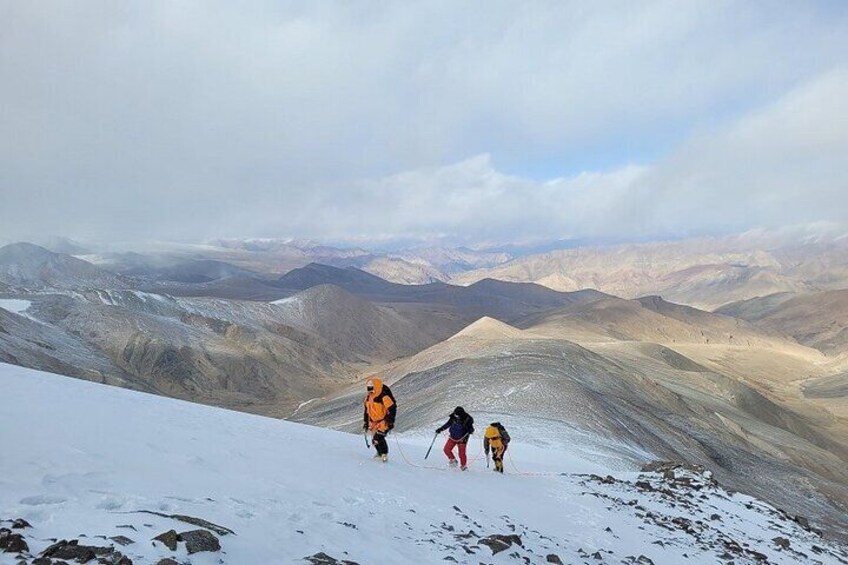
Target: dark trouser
x=497, y=457
x=380, y=444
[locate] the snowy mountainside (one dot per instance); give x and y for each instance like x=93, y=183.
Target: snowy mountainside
x=27, y=266
x=234, y=353
x=91, y=463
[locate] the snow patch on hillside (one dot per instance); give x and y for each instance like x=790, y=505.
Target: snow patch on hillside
x=14, y=305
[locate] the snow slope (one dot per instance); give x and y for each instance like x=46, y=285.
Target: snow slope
x=82, y=458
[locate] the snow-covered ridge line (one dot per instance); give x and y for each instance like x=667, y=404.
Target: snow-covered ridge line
x=87, y=458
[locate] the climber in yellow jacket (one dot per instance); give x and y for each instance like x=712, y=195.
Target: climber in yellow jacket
x=496, y=438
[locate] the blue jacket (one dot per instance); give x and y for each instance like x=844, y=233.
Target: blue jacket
x=459, y=427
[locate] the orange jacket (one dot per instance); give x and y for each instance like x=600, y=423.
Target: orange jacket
x=380, y=408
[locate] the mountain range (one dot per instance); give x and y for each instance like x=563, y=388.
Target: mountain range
x=614, y=368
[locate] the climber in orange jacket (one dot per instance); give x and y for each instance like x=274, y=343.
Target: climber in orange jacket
x=379, y=415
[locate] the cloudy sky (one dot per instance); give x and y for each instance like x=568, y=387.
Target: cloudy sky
x=361, y=121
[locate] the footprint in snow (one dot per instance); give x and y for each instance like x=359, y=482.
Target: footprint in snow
x=111, y=503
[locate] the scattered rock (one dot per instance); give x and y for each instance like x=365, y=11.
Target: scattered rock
x=42, y=561
x=553, y=558
x=168, y=538
x=20, y=524
x=122, y=540
x=167, y=561
x=199, y=540
x=72, y=550
x=781, y=542
x=499, y=542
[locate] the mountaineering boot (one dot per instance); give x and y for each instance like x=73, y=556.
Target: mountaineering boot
x=384, y=457
x=452, y=462
x=464, y=468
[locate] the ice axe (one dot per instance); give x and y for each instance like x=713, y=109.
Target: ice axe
x=431, y=446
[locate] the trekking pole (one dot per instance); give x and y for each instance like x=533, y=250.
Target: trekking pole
x=431, y=446
x=365, y=435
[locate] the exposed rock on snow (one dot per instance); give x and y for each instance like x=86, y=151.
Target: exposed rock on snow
x=199, y=540
x=220, y=530
x=500, y=542
x=169, y=539
x=84, y=553
x=322, y=558
x=12, y=543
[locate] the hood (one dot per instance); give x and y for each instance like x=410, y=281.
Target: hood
x=378, y=385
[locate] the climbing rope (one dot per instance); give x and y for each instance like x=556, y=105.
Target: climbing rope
x=470, y=460
x=408, y=462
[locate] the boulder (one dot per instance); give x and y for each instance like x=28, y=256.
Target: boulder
x=781, y=542
x=500, y=542
x=168, y=538
x=199, y=540
x=12, y=543
x=64, y=549
x=322, y=558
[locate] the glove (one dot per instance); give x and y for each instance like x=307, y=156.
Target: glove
x=365, y=427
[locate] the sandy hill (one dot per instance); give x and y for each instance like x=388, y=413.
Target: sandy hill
x=816, y=319
x=488, y=328
x=706, y=272
x=650, y=319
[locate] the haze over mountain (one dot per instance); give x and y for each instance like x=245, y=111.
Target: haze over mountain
x=703, y=272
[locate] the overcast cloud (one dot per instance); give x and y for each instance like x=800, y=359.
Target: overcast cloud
x=374, y=121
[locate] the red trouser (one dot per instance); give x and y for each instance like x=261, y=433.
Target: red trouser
x=449, y=450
